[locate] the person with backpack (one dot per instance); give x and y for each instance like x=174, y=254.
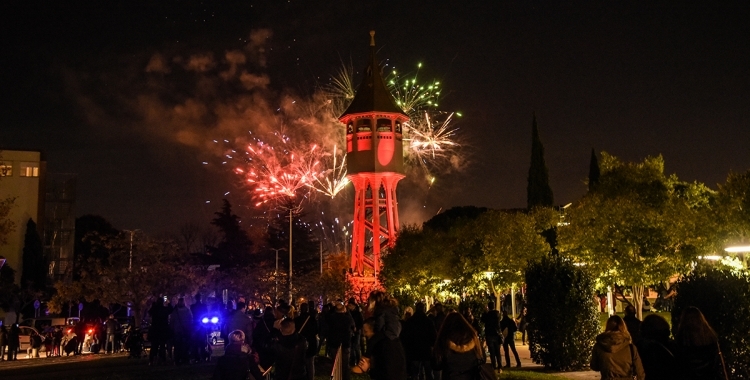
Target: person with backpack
x=509, y=328
x=614, y=354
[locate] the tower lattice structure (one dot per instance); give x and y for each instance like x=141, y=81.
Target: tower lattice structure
x=375, y=164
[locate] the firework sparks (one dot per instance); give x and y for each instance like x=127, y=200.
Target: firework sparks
x=332, y=180
x=280, y=172
x=340, y=90
x=430, y=144
x=411, y=95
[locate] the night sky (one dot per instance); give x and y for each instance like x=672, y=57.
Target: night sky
x=128, y=94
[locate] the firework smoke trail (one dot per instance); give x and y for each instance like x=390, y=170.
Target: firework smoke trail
x=281, y=172
x=332, y=180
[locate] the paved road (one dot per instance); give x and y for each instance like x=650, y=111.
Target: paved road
x=104, y=367
x=101, y=367
x=528, y=365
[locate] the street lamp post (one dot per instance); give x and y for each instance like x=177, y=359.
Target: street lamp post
x=740, y=249
x=130, y=256
x=2, y=262
x=489, y=275
x=290, y=256
x=276, y=273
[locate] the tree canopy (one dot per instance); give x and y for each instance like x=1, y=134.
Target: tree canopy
x=638, y=226
x=427, y=262
x=158, y=268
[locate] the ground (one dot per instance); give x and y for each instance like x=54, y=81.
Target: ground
x=119, y=367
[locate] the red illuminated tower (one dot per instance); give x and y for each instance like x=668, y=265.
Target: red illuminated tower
x=375, y=164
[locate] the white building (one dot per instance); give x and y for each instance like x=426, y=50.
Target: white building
x=22, y=176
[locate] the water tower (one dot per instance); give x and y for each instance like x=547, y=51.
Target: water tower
x=375, y=164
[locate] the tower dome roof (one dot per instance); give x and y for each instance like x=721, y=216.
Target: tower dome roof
x=373, y=94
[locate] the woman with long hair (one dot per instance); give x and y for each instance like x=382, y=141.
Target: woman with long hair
x=697, y=347
x=614, y=355
x=457, y=350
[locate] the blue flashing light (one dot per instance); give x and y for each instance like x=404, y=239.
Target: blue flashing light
x=204, y=320
x=215, y=320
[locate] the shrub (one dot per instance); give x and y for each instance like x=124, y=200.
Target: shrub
x=724, y=298
x=562, y=320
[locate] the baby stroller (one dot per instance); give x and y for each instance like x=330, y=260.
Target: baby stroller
x=134, y=343
x=70, y=345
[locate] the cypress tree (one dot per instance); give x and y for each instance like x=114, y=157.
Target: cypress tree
x=34, y=271
x=538, y=191
x=234, y=249
x=594, y=172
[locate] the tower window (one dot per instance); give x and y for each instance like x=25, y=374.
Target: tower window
x=6, y=168
x=384, y=125
x=349, y=128
x=364, y=125
x=29, y=169
x=398, y=127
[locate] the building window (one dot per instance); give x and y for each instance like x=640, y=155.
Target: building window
x=363, y=125
x=384, y=125
x=29, y=169
x=6, y=168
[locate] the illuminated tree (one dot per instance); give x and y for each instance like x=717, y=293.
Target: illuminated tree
x=733, y=207
x=455, y=253
x=637, y=226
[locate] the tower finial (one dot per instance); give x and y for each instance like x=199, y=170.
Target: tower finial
x=372, y=38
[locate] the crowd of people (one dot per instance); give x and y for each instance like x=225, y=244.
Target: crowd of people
x=55, y=341
x=377, y=339
x=633, y=349
x=374, y=338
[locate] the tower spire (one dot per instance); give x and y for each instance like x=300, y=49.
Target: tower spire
x=372, y=94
